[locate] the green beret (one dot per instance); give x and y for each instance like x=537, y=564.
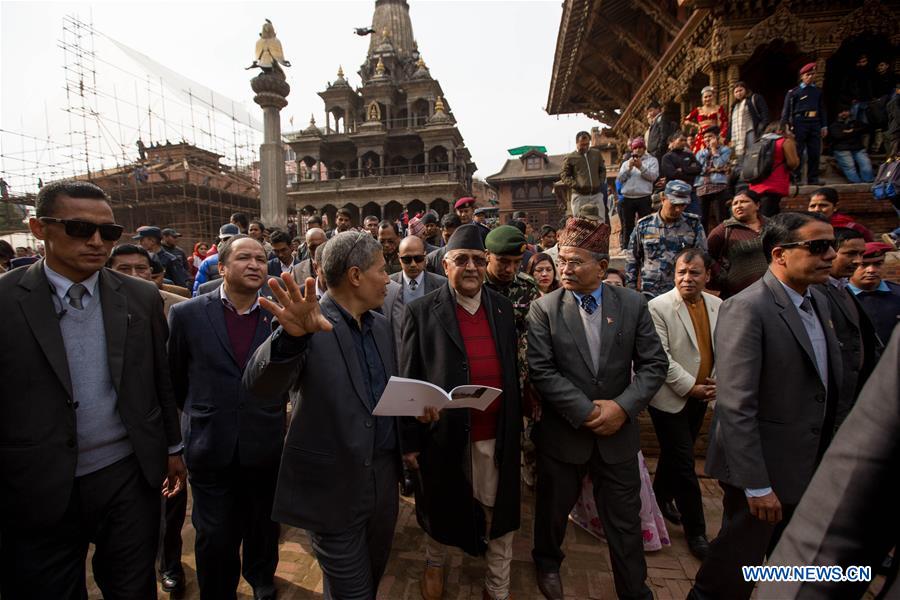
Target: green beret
x=506, y=239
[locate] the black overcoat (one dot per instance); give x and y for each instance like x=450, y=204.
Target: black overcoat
x=433, y=351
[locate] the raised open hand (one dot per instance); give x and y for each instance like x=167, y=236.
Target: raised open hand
x=297, y=310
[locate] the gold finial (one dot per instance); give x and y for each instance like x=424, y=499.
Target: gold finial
x=420, y=63
x=340, y=72
x=312, y=119
x=439, y=105
x=379, y=68
x=385, y=34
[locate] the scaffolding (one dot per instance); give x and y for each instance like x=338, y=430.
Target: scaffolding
x=169, y=151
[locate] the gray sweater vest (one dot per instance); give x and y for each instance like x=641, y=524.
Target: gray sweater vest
x=102, y=438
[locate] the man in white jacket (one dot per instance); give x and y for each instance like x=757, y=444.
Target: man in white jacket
x=685, y=318
x=637, y=176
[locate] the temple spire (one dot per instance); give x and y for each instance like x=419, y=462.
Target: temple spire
x=392, y=23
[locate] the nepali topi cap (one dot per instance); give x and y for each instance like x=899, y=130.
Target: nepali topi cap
x=466, y=237
x=589, y=235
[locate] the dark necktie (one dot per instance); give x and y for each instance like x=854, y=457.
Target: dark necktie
x=75, y=294
x=806, y=306
x=589, y=303
x=413, y=284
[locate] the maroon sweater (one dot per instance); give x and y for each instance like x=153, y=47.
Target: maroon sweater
x=484, y=368
x=241, y=331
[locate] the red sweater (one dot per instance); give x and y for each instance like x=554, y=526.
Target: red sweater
x=484, y=368
x=241, y=331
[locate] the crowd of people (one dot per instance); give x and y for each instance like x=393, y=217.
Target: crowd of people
x=118, y=393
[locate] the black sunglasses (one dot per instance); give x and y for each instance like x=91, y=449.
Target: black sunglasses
x=814, y=247
x=408, y=259
x=110, y=232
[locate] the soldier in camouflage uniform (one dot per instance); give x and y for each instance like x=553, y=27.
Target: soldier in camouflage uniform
x=659, y=237
x=506, y=247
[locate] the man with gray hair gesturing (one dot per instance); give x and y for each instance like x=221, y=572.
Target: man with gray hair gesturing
x=340, y=468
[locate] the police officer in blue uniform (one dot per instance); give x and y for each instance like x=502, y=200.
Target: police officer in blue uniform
x=804, y=111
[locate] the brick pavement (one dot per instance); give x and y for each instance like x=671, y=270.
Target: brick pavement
x=586, y=572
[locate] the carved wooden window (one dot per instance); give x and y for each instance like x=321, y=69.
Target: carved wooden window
x=532, y=163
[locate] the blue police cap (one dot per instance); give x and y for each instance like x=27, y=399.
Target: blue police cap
x=678, y=192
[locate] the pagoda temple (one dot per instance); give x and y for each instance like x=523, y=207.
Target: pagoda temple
x=392, y=143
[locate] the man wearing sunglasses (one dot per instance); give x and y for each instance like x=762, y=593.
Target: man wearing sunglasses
x=468, y=495
x=780, y=370
x=416, y=281
x=89, y=434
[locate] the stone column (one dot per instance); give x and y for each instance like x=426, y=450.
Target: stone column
x=271, y=95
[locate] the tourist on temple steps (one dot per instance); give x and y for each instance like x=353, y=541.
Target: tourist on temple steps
x=659, y=130
x=860, y=346
x=658, y=238
x=879, y=298
x=584, y=172
x=685, y=318
x=232, y=438
x=315, y=237
x=824, y=201
x=804, y=112
x=435, y=260
x=749, y=117
x=778, y=183
x=848, y=148
x=681, y=164
x=637, y=176
x=149, y=238
x=709, y=114
x=736, y=247
x=584, y=343
x=389, y=238
x=340, y=467
x=465, y=333
x=711, y=185
x=542, y=269
x=89, y=433
x=776, y=396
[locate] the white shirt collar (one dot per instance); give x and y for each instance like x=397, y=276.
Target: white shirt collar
x=61, y=284
x=796, y=298
x=229, y=304
x=419, y=279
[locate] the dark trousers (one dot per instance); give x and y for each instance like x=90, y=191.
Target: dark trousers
x=113, y=508
x=743, y=540
x=233, y=506
x=675, y=477
x=353, y=560
x=809, y=142
x=715, y=208
x=169, y=557
x=770, y=204
x=617, y=493
x=642, y=206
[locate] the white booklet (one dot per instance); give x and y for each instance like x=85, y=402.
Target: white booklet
x=408, y=397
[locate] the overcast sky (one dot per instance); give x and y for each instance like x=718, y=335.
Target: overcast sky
x=493, y=60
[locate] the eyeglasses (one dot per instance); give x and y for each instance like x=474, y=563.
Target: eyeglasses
x=110, y=232
x=462, y=260
x=814, y=247
x=406, y=260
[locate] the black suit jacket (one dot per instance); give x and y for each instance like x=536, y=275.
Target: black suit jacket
x=770, y=416
x=860, y=346
x=433, y=350
x=848, y=515
x=38, y=442
x=219, y=417
x=328, y=452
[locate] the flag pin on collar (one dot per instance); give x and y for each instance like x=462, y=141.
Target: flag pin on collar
x=609, y=320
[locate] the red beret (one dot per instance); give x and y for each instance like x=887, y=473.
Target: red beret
x=464, y=202
x=807, y=68
x=585, y=234
x=876, y=250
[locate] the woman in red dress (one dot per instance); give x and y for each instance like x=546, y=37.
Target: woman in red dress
x=708, y=114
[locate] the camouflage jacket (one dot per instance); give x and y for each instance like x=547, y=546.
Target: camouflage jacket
x=522, y=291
x=653, y=247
